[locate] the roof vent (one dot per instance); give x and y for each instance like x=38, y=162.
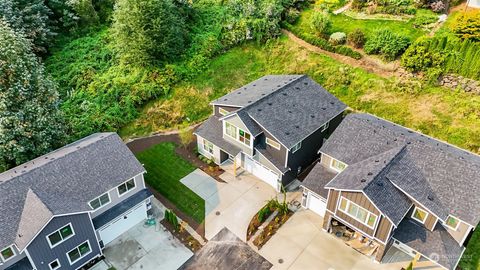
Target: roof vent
x=410, y=131
x=284, y=94
x=263, y=94
x=297, y=126
x=312, y=116
x=238, y=93
x=430, y=197
x=298, y=88
x=249, y=101
x=409, y=142
x=395, y=139
x=269, y=103
x=254, y=85
x=377, y=160
x=332, y=102
x=265, y=79
x=225, y=99
x=363, y=180
x=289, y=111
x=380, y=184
x=323, y=108
x=279, y=85
x=305, y=83
x=287, y=133
x=46, y=157
x=369, y=173
x=259, y=110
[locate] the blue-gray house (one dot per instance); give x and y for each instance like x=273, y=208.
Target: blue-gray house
x=59, y=210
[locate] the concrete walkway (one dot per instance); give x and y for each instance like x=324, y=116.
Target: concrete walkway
x=302, y=244
x=231, y=204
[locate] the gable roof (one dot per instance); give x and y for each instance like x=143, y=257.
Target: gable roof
x=62, y=182
x=441, y=177
x=289, y=107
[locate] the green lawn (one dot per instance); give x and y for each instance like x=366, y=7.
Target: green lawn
x=164, y=171
x=343, y=23
x=471, y=257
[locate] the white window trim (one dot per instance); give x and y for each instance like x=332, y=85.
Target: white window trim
x=335, y=169
x=296, y=147
x=81, y=256
x=236, y=131
x=237, y=134
x=56, y=260
x=102, y=205
x=272, y=143
x=359, y=207
x=325, y=127
x=205, y=143
x=128, y=190
x=413, y=214
x=63, y=239
x=222, y=111
x=12, y=249
x=448, y=226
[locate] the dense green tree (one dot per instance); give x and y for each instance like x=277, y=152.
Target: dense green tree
x=146, y=32
x=30, y=17
x=30, y=122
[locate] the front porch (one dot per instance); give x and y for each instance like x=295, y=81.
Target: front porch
x=355, y=239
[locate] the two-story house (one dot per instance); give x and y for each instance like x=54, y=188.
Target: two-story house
x=59, y=210
x=271, y=127
x=397, y=190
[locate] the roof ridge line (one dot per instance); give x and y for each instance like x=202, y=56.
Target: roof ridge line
x=270, y=94
x=49, y=160
x=402, y=149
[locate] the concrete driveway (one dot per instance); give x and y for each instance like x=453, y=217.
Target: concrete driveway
x=302, y=244
x=231, y=204
x=146, y=248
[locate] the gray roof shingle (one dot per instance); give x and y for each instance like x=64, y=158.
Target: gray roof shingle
x=437, y=245
x=66, y=179
x=316, y=180
x=440, y=176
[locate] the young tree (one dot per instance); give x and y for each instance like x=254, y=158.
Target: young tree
x=31, y=18
x=146, y=32
x=30, y=122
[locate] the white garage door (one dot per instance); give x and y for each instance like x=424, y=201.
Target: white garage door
x=123, y=223
x=261, y=172
x=317, y=204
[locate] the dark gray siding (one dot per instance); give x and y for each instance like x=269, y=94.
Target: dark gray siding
x=42, y=254
x=307, y=154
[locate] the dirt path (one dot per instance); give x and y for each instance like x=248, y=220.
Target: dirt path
x=367, y=63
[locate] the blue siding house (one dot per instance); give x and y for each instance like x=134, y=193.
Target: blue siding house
x=59, y=210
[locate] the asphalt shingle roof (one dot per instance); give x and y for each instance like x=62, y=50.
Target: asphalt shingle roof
x=316, y=180
x=212, y=131
x=437, y=245
x=440, y=176
x=65, y=180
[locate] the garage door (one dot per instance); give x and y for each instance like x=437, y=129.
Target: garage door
x=317, y=204
x=123, y=223
x=261, y=172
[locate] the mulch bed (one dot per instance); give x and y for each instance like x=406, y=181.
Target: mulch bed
x=183, y=236
x=255, y=223
x=271, y=229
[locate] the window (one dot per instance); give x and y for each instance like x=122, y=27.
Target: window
x=357, y=212
x=231, y=130
x=7, y=254
x=222, y=111
x=244, y=137
x=325, y=127
x=100, y=201
x=419, y=215
x=296, y=147
x=452, y=223
x=208, y=146
x=61, y=235
x=123, y=188
x=273, y=143
x=337, y=165
x=54, y=265
x=79, y=252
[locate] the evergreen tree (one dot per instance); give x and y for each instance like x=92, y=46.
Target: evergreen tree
x=146, y=32
x=30, y=122
x=31, y=18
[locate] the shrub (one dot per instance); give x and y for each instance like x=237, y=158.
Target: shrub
x=467, y=26
x=337, y=38
x=424, y=19
x=292, y=15
x=418, y=57
x=321, y=23
x=171, y=218
x=186, y=137
x=264, y=213
x=356, y=38
x=344, y=50
x=438, y=6
x=387, y=43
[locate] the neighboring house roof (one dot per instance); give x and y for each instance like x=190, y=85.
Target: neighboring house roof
x=62, y=182
x=274, y=161
x=289, y=107
x=212, y=131
x=226, y=251
x=437, y=175
x=437, y=245
x=317, y=178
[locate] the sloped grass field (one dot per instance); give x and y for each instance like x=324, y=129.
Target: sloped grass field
x=444, y=114
x=164, y=171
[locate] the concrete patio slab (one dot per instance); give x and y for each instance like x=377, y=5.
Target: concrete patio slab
x=274, y=251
